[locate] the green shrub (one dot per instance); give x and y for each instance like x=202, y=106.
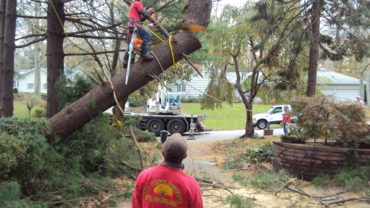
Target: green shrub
x=144, y=136
x=191, y=99
x=76, y=167
x=354, y=178
x=10, y=195
x=69, y=90
x=265, y=180
x=12, y=152
x=320, y=116
x=237, y=201
x=92, y=146
x=40, y=113
x=24, y=128
x=322, y=179
x=259, y=154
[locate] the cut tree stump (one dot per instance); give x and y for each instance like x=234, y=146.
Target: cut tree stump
x=197, y=15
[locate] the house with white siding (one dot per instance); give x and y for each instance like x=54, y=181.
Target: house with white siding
x=342, y=87
x=24, y=79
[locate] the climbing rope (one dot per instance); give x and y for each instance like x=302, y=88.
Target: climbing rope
x=172, y=54
x=151, y=31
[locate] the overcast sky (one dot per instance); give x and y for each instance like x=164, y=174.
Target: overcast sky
x=222, y=3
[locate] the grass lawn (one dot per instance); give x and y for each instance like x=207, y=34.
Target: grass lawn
x=225, y=118
x=20, y=109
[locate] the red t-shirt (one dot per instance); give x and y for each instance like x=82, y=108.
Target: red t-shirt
x=135, y=9
x=286, y=118
x=163, y=187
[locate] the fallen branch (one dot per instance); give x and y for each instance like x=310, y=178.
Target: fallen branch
x=340, y=201
x=137, y=147
x=211, y=183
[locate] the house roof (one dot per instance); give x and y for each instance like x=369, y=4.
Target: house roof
x=325, y=76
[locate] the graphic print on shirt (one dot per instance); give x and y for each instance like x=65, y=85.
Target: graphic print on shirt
x=164, y=192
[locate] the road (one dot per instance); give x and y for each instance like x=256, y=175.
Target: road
x=212, y=136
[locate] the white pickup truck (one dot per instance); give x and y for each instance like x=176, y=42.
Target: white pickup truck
x=273, y=116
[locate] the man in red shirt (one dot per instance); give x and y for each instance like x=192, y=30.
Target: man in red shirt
x=286, y=120
x=136, y=15
x=167, y=185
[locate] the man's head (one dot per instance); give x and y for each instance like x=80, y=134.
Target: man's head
x=175, y=148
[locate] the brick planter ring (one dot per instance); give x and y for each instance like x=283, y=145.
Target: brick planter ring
x=306, y=161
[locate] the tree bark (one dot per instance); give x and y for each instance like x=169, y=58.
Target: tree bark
x=8, y=58
x=54, y=52
x=197, y=17
x=2, y=24
x=314, y=50
x=77, y=114
x=249, y=130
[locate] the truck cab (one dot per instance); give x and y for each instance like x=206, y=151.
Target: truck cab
x=273, y=116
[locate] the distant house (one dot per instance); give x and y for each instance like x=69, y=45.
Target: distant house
x=342, y=87
x=24, y=79
x=196, y=87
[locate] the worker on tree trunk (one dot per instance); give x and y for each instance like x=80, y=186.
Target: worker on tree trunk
x=137, y=14
x=167, y=185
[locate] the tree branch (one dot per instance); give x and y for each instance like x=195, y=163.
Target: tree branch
x=30, y=36
x=92, y=53
x=93, y=37
x=93, y=30
x=30, y=43
x=31, y=17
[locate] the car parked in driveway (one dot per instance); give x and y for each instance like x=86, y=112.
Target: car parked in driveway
x=273, y=116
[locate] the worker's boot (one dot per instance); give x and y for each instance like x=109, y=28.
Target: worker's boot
x=147, y=57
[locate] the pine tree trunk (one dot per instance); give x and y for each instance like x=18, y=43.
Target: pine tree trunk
x=2, y=24
x=314, y=50
x=55, y=53
x=77, y=114
x=8, y=58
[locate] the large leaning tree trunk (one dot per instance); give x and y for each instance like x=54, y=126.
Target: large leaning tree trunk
x=77, y=114
x=8, y=58
x=54, y=52
x=314, y=50
x=2, y=24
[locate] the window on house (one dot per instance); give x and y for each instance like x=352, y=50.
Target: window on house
x=181, y=88
x=30, y=86
x=44, y=86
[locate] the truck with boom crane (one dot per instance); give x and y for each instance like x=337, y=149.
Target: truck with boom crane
x=164, y=113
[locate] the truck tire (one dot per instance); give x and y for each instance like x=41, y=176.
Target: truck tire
x=155, y=125
x=176, y=126
x=262, y=124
